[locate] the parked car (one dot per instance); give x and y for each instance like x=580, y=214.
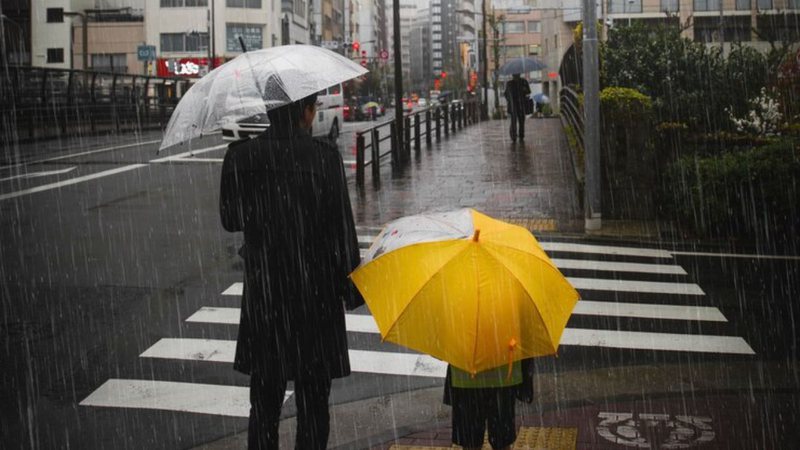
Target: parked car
x=330, y=116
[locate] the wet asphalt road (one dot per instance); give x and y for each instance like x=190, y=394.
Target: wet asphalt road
x=106, y=253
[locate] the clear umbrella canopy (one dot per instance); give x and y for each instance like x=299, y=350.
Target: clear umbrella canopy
x=253, y=83
x=521, y=65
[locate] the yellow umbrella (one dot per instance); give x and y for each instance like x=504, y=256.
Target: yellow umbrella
x=463, y=287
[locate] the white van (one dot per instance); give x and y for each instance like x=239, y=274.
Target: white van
x=328, y=122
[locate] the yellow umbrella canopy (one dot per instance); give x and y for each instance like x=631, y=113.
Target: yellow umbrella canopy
x=465, y=288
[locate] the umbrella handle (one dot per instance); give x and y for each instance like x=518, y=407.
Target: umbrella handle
x=512, y=345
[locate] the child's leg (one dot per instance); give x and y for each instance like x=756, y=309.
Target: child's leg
x=501, y=418
x=468, y=418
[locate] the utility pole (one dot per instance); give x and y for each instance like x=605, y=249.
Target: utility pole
x=485, y=61
x=398, y=83
x=212, y=41
x=591, y=111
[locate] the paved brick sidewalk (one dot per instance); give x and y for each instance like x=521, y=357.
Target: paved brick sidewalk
x=479, y=167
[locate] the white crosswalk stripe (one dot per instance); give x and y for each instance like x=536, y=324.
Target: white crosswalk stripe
x=233, y=400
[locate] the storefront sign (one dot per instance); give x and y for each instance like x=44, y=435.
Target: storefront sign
x=184, y=67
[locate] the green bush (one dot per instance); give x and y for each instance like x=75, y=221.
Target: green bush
x=751, y=193
x=623, y=104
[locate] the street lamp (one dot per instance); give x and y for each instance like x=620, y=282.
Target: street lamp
x=483, y=59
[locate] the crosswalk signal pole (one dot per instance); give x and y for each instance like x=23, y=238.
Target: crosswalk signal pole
x=591, y=111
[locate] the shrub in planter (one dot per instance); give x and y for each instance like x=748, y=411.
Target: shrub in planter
x=752, y=193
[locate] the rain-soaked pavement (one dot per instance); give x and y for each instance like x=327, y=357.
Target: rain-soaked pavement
x=120, y=294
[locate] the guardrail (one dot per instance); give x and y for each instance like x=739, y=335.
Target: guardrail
x=572, y=112
x=455, y=116
x=42, y=103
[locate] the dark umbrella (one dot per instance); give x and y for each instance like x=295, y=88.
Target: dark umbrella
x=521, y=65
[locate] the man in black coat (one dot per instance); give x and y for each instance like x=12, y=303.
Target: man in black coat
x=517, y=91
x=288, y=193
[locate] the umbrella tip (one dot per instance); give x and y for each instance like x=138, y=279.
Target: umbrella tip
x=476, y=235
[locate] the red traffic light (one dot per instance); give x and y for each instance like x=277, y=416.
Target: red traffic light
x=356, y=46
x=444, y=74
x=364, y=62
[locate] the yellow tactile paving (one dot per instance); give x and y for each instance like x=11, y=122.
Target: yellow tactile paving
x=538, y=438
x=533, y=224
x=528, y=438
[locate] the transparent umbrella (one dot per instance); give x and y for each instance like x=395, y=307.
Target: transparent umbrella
x=521, y=65
x=253, y=83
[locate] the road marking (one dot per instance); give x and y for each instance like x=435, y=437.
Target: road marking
x=605, y=249
x=649, y=311
x=650, y=287
x=71, y=181
x=90, y=152
x=190, y=153
x=234, y=289
x=363, y=361
x=636, y=340
x=363, y=323
x=735, y=255
x=612, y=266
x=594, y=284
x=220, y=400
x=46, y=173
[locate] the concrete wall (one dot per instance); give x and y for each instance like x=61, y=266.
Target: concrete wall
x=111, y=37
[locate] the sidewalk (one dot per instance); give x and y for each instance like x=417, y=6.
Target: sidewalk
x=530, y=183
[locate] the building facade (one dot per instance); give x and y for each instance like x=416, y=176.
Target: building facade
x=420, y=51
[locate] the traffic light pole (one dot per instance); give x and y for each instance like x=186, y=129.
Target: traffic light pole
x=398, y=155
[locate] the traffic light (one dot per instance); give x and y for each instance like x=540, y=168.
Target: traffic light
x=444, y=74
x=356, y=46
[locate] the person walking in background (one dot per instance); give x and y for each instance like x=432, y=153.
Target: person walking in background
x=288, y=193
x=516, y=94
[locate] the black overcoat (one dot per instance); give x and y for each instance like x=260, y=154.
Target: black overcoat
x=287, y=191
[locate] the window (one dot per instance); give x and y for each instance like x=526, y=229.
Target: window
x=534, y=26
x=55, y=55
x=55, y=15
x=299, y=8
x=625, y=6
x=514, y=51
x=764, y=4
x=707, y=5
x=251, y=34
x=534, y=49
x=671, y=5
x=514, y=27
x=255, y=4
x=184, y=42
x=743, y=5
x=182, y=3
x=110, y=62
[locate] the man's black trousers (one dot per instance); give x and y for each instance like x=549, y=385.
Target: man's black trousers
x=517, y=118
x=266, y=400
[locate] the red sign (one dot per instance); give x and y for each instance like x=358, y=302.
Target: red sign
x=553, y=75
x=436, y=84
x=184, y=67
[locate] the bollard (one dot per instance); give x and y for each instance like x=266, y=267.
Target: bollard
x=453, y=122
x=438, y=123
x=395, y=143
x=428, y=127
x=416, y=133
x=447, y=120
x=463, y=116
x=376, y=156
x=407, y=137
x=360, y=160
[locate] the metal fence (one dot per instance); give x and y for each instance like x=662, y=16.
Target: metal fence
x=37, y=103
x=426, y=123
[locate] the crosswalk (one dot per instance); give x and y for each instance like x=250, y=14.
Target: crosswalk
x=624, y=283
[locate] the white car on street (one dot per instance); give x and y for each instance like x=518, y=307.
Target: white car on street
x=328, y=122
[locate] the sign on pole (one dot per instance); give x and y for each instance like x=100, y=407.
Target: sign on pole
x=384, y=55
x=330, y=45
x=146, y=52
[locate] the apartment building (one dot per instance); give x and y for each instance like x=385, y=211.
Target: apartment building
x=520, y=34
